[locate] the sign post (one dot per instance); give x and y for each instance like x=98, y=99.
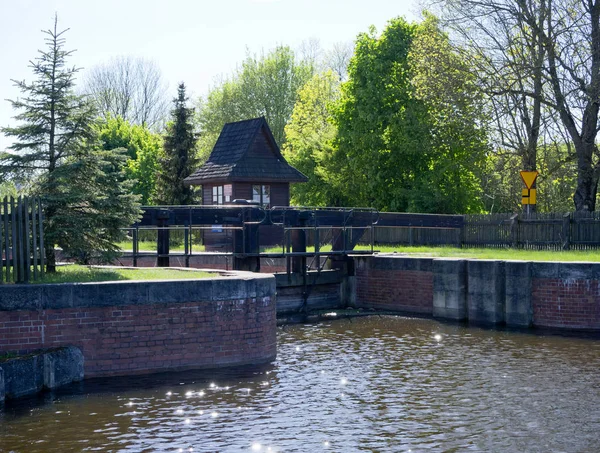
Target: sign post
x=529, y=195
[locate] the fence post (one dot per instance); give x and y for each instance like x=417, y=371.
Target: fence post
x=566, y=231
x=514, y=230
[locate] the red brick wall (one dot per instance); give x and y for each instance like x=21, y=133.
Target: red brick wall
x=135, y=339
x=267, y=266
x=395, y=290
x=566, y=303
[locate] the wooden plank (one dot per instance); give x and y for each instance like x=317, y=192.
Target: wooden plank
x=36, y=254
x=20, y=240
x=27, y=242
x=42, y=251
x=6, y=239
x=13, y=227
x=1, y=248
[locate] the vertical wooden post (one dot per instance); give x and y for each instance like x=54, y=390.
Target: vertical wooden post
x=566, y=231
x=42, y=249
x=163, y=237
x=135, y=245
x=514, y=230
x=13, y=227
x=186, y=244
x=34, y=238
x=6, y=239
x=27, y=242
x=20, y=240
x=2, y=214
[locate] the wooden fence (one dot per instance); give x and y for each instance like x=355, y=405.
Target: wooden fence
x=541, y=231
x=21, y=240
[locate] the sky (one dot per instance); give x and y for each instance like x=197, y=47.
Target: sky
x=192, y=41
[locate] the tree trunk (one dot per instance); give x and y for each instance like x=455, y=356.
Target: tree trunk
x=587, y=179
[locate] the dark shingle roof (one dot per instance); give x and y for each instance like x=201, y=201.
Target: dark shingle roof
x=229, y=160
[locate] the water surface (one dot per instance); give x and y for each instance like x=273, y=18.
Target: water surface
x=369, y=384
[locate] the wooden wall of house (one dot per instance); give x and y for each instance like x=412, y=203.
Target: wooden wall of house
x=269, y=235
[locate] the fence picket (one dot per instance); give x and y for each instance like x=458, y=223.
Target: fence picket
x=20, y=231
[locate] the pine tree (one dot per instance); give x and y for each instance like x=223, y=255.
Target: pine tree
x=86, y=201
x=179, y=155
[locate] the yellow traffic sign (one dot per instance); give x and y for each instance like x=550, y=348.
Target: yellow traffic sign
x=529, y=178
x=528, y=196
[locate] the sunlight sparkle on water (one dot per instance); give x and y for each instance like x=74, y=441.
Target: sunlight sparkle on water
x=256, y=447
x=326, y=443
x=437, y=337
x=200, y=412
x=188, y=394
x=297, y=348
x=214, y=414
x=212, y=385
x=343, y=381
x=187, y=421
x=179, y=411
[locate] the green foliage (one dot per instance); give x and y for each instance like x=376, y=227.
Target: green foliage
x=143, y=147
x=556, y=183
x=179, y=158
x=86, y=198
x=409, y=138
x=91, y=200
x=8, y=189
x=310, y=143
x=263, y=86
x=457, y=138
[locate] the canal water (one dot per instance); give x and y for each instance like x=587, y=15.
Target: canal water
x=380, y=384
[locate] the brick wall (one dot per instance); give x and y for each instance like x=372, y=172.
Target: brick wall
x=396, y=284
x=566, y=303
x=267, y=265
x=150, y=336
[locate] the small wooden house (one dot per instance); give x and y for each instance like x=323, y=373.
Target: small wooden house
x=246, y=164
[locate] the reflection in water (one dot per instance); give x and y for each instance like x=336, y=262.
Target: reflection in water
x=369, y=384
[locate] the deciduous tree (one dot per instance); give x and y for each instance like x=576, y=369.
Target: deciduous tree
x=132, y=88
x=265, y=85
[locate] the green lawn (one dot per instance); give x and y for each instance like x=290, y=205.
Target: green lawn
x=481, y=253
x=502, y=254
x=150, y=246
x=80, y=274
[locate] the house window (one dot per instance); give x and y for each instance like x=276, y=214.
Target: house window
x=217, y=196
x=262, y=194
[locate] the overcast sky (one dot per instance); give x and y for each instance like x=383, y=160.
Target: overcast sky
x=191, y=41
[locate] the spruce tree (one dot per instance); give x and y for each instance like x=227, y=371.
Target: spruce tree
x=86, y=200
x=179, y=155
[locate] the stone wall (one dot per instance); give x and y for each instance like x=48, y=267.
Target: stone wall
x=139, y=327
x=515, y=293
x=30, y=374
x=203, y=261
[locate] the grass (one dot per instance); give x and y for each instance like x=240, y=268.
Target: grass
x=447, y=252
x=502, y=254
x=81, y=274
x=150, y=246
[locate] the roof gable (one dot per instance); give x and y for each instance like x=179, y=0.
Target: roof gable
x=246, y=150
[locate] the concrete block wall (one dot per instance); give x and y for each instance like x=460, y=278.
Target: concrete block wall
x=450, y=289
x=139, y=327
x=515, y=293
x=33, y=373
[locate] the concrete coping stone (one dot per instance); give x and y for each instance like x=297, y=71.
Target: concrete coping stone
x=226, y=285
